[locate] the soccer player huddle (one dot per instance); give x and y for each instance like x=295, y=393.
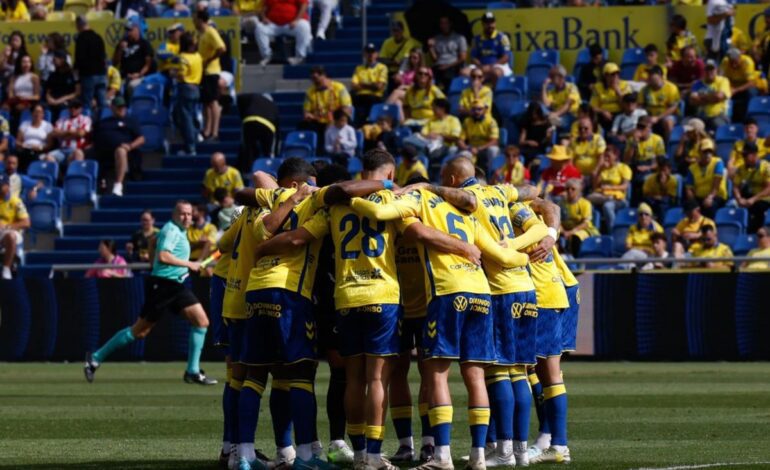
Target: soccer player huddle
x=362, y=273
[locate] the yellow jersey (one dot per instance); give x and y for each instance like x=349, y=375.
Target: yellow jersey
x=745, y=71
x=20, y=13
x=701, y=178
x=639, y=237
x=240, y=243
x=324, y=101
x=248, y=6
x=693, y=226
x=567, y=277
x=575, y=213
x=754, y=179
x=641, y=74
x=652, y=186
x=12, y=210
x=208, y=43
x=420, y=101
x=469, y=95
x=648, y=150
x=449, y=126
x=687, y=38
x=558, y=98
x=758, y=253
x=191, y=68
x=585, y=153
x=719, y=85
x=371, y=75
x=736, y=155
x=397, y=51
x=411, y=277
x=114, y=80
x=230, y=180
x=720, y=250
x=404, y=173
x=196, y=234
x=614, y=176
x=477, y=133
x=223, y=265
x=656, y=102
x=607, y=99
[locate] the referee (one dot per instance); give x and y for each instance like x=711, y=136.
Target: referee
x=164, y=292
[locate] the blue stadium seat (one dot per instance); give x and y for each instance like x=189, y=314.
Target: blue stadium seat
x=549, y=57
x=359, y=142
x=313, y=159
x=619, y=240
x=45, y=217
x=673, y=141
x=220, y=12
x=148, y=101
x=512, y=84
x=759, y=106
x=47, y=172
x=724, y=149
x=584, y=58
x=268, y=165
x=88, y=168
x=174, y=13
x=497, y=163
x=633, y=56
x=146, y=113
x=731, y=222
x=26, y=115
x=503, y=140
x=500, y=5
x=672, y=217
x=301, y=139
x=78, y=190
x=150, y=89
x=627, y=71
x=296, y=152
x=401, y=134
x=536, y=75
x=459, y=84
x=743, y=244
x=154, y=138
x=767, y=217
x=511, y=105
x=105, y=113
x=54, y=195
x=729, y=133
x=597, y=218
x=596, y=247
x=355, y=166
x=625, y=217
x=382, y=108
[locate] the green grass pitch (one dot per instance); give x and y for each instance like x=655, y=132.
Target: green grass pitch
x=622, y=415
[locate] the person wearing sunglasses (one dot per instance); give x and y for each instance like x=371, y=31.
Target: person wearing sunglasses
x=577, y=217
x=480, y=135
x=611, y=180
x=751, y=186
x=762, y=251
x=587, y=147
x=491, y=50
x=477, y=91
x=607, y=94
x=561, y=97
x=642, y=152
x=709, y=246
x=638, y=238
x=706, y=180
x=417, y=105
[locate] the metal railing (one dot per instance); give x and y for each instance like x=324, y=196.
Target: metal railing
x=66, y=268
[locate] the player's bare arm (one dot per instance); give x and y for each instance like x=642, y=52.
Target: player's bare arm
x=440, y=241
x=552, y=217
x=528, y=192
x=342, y=193
x=277, y=218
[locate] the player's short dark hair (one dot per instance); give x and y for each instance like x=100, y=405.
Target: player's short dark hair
x=442, y=103
x=376, y=158
x=296, y=169
x=417, y=179
x=333, y=173
x=650, y=48
x=203, y=15
x=679, y=21
x=658, y=236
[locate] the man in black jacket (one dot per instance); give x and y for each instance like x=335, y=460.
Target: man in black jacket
x=91, y=66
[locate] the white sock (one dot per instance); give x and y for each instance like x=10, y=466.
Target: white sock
x=247, y=451
x=6, y=272
x=337, y=444
x=428, y=441
x=477, y=453
x=286, y=453
x=543, y=441
x=359, y=455
x=225, y=447
x=442, y=453
x=407, y=441
x=305, y=451
x=373, y=458
x=505, y=447
x=520, y=446
x=560, y=449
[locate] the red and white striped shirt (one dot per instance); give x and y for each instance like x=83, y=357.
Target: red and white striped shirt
x=70, y=124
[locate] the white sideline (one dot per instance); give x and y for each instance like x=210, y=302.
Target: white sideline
x=706, y=465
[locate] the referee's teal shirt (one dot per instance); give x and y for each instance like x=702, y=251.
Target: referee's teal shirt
x=173, y=239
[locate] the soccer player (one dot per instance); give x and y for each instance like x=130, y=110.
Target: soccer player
x=458, y=324
x=165, y=293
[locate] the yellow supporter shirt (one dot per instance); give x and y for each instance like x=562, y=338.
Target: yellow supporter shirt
x=420, y=101
x=324, y=101
x=607, y=99
x=511, y=174
x=758, y=253
x=740, y=40
x=586, y=153
x=557, y=98
x=192, y=68
x=230, y=180
x=745, y=72
x=701, y=179
x=196, y=234
x=575, y=213
x=682, y=41
x=167, y=56
x=449, y=126
x=639, y=237
x=397, y=51
x=653, y=188
x=404, y=173
x=20, y=13
x=720, y=250
x=371, y=75
x=648, y=150
x=248, y=6
x=445, y=273
x=720, y=84
x=689, y=226
x=208, y=43
x=468, y=96
x=736, y=155
x=477, y=133
x=656, y=102
x=240, y=243
x=641, y=74
x=411, y=277
x=12, y=210
x=114, y=81
x=614, y=176
x=567, y=277
x=755, y=179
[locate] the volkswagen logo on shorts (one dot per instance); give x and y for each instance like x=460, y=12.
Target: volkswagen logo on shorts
x=460, y=303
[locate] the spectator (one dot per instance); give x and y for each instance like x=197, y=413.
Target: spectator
x=584, y=111
x=480, y=136
x=283, y=18
x=418, y=102
x=577, y=220
x=762, y=46
x=477, y=91
x=407, y=71
x=138, y=249
x=32, y=139
x=368, y=84
x=610, y=179
x=211, y=47
x=248, y=11
x=661, y=189
x=750, y=133
x=642, y=72
x=188, y=92
x=639, y=237
x=168, y=51
x=745, y=81
x=73, y=134
x=448, y=51
x=762, y=251
x=410, y=166
x=719, y=15
x=491, y=50
x=13, y=220
x=591, y=72
x=607, y=94
x=751, y=186
x=561, y=97
x=397, y=47
x=709, y=247
x=5, y=131
x=688, y=150
x=554, y=178
x=710, y=96
x=14, y=10
x=686, y=72
x=321, y=100
x=625, y=123
x=513, y=170
x=114, y=83
x=220, y=175
x=18, y=181
x=587, y=147
x=442, y=132
x=659, y=250
x=62, y=85
x=202, y=235
x=642, y=152
x=16, y=47
x=226, y=209
x=54, y=43
x=133, y=57
x=687, y=230
x=380, y=135
x=661, y=99
x=706, y=182
x=536, y=132
x=340, y=140
x=91, y=66
x=117, y=140
x=24, y=88
x=108, y=255
x=259, y=122
x=679, y=39
x=325, y=8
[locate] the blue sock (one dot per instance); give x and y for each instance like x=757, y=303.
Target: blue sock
x=537, y=395
x=441, y=423
x=121, y=339
x=226, y=397
x=556, y=410
x=501, y=404
x=357, y=434
x=374, y=438
x=522, y=403
x=491, y=431
x=248, y=410
x=194, y=348
x=478, y=419
x=402, y=420
x=425, y=420
x=303, y=411
x=235, y=396
x=280, y=410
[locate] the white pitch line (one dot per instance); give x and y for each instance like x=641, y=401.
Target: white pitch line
x=706, y=465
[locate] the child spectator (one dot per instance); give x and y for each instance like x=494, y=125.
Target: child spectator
x=625, y=122
x=340, y=139
x=513, y=170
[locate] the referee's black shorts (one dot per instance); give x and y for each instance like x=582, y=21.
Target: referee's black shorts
x=163, y=296
x=210, y=88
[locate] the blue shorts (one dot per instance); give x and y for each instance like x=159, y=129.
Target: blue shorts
x=569, y=319
x=236, y=331
x=280, y=328
x=549, y=338
x=369, y=329
x=216, y=298
x=411, y=333
x=459, y=326
x=512, y=312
